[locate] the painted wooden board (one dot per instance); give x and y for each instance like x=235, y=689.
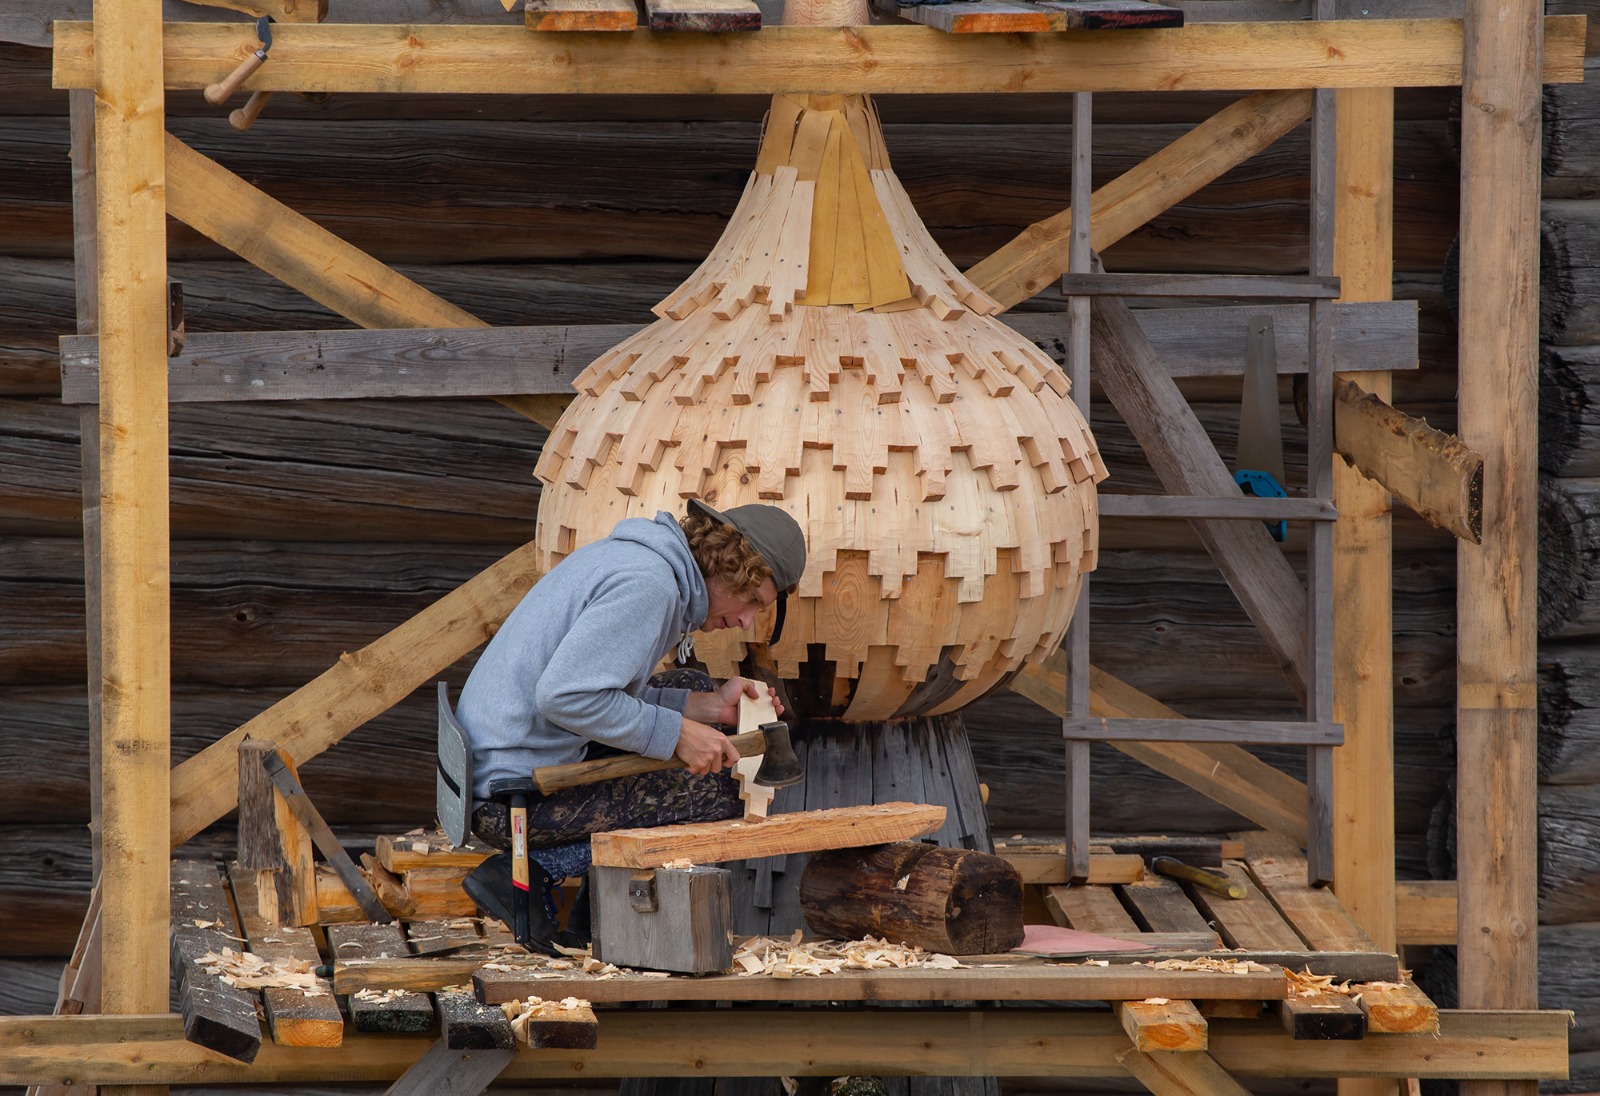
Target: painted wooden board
x=713, y=16
x=603, y=15
x=804, y=831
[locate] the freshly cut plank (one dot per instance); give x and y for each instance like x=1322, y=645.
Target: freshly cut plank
x=298, y=1018
x=1399, y=1008
x=581, y=15
x=802, y=831
x=1163, y=1025
x=411, y=851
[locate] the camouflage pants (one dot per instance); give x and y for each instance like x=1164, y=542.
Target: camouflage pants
x=660, y=798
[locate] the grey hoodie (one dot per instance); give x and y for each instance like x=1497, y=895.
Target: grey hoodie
x=571, y=661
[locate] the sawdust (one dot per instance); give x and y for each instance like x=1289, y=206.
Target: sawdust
x=788, y=957
x=245, y=970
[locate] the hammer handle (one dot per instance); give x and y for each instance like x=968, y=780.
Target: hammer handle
x=1200, y=877
x=217, y=94
x=555, y=777
x=245, y=117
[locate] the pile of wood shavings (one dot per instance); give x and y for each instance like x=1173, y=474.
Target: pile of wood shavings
x=523, y=1013
x=245, y=970
x=379, y=996
x=1305, y=984
x=540, y=966
x=1208, y=965
x=788, y=957
x=681, y=863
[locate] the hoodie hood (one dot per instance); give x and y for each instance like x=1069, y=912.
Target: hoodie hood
x=664, y=536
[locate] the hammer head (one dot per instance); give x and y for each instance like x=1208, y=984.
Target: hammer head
x=779, y=767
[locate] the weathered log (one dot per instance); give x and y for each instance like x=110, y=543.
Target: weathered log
x=1569, y=558
x=956, y=902
x=1569, y=272
x=1569, y=410
x=1569, y=713
x=28, y=987
x=1572, y=137
x=1569, y=978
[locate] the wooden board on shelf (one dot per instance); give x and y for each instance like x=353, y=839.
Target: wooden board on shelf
x=711, y=16
x=1026, y=17
x=589, y=15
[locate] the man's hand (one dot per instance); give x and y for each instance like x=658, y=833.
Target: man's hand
x=704, y=749
x=722, y=706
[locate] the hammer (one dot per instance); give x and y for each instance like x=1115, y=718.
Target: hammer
x=779, y=766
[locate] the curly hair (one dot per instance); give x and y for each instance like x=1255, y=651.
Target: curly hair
x=722, y=551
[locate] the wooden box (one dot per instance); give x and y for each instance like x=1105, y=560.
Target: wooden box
x=675, y=919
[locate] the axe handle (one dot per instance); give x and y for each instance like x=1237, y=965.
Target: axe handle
x=555, y=777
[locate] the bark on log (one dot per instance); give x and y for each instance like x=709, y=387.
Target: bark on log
x=955, y=902
x=1569, y=558
x=1569, y=410
x=1569, y=713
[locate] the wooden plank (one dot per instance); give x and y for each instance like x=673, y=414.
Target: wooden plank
x=1104, y=868
x=1255, y=286
x=563, y=15
x=1430, y=471
x=1169, y=1074
x=448, y=1072
x=713, y=16
x=1114, y=14
x=1496, y=685
x=464, y=1024
x=1088, y=909
x=1322, y=1016
x=430, y=849
x=1162, y=1025
x=393, y=1011
x=1229, y=774
x=1160, y=905
x=361, y=685
x=555, y=1025
x=1259, y=732
x=1038, y=256
x=978, y=17
x=295, y=1017
x=1187, y=462
x=135, y=583
x=802, y=831
x=288, y=786
x=216, y=1016
x=1425, y=912
x=1399, y=1009
x=489, y=60
x=742, y=1043
x=223, y=207
x=447, y=362
x=1280, y=870
x=1248, y=922
x=1175, y=508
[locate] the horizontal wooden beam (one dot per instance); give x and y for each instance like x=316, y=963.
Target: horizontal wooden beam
x=151, y=1050
x=1425, y=911
x=1432, y=472
x=1248, y=286
x=438, y=362
x=882, y=59
x=1256, y=732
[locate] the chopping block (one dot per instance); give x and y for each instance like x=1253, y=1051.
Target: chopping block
x=648, y=911
x=675, y=919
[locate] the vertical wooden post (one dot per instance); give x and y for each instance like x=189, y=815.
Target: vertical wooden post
x=135, y=585
x=1363, y=542
x=1497, y=715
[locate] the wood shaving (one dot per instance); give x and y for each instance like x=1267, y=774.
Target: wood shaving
x=790, y=1085
x=245, y=970
x=379, y=996
x=788, y=957
x=1157, y=1001
x=680, y=863
x=207, y=924
x=1208, y=965
x=1305, y=984
x=1097, y=962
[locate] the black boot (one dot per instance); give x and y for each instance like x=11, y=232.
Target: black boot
x=490, y=886
x=577, y=933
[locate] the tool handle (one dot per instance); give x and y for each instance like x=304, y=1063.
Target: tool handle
x=1200, y=877
x=217, y=94
x=245, y=117
x=555, y=777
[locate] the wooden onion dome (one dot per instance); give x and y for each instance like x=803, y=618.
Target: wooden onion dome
x=829, y=358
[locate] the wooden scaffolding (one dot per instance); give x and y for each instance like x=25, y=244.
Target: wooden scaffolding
x=133, y=175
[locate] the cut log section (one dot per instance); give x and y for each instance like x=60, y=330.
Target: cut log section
x=1398, y=1008
x=1158, y=1024
x=559, y=15
x=216, y=1015
x=568, y=1024
x=802, y=831
x=952, y=901
x=1323, y=1016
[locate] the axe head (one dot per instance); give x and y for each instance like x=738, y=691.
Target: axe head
x=779, y=767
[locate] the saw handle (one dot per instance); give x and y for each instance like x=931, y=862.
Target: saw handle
x=555, y=777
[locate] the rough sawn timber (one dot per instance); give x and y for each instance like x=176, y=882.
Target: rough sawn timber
x=805, y=831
